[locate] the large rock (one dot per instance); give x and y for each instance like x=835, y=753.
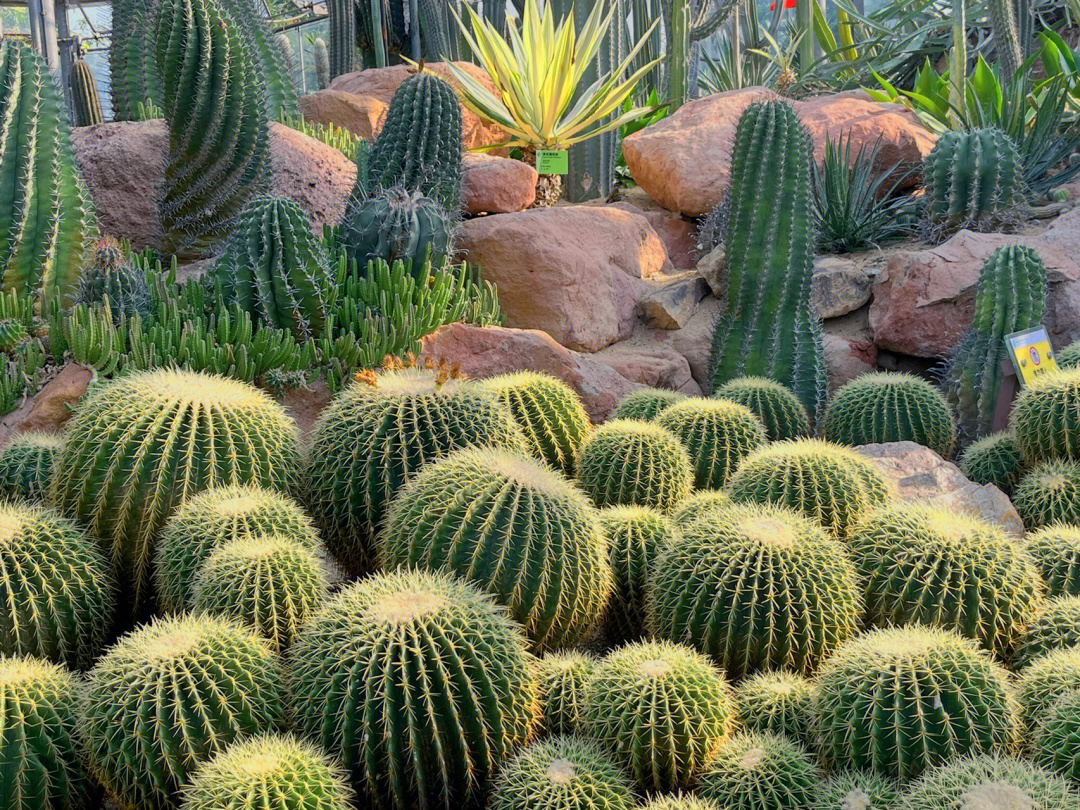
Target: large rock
x=51, y=407
x=382, y=83
x=846, y=359
x=920, y=475
x=124, y=167
x=924, y=301
x=839, y=286
x=679, y=235
x=684, y=161
x=573, y=271
x=647, y=357
x=360, y=115
x=486, y=351
x=672, y=302
x=496, y=185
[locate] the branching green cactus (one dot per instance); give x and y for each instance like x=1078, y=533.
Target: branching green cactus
x=779, y=410
x=84, y=95
x=991, y=781
x=768, y=328
x=994, y=459
x=717, y=433
x=563, y=773
x=1011, y=297
x=563, y=676
x=1056, y=551
x=973, y=179
x=776, y=702
x=1056, y=626
x=397, y=224
x=26, y=465
x=646, y=403
x=761, y=771
x=1049, y=493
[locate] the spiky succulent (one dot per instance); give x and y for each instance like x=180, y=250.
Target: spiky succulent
x=717, y=433
x=697, y=504
x=899, y=701
x=682, y=801
x=761, y=771
x=1044, y=680
x=269, y=582
x=141, y=444
x=935, y=567
x=211, y=519
x=1049, y=493
x=1056, y=626
x=662, y=709
x=378, y=432
x=756, y=587
x=627, y=462
x=111, y=278
x=891, y=407
x=26, y=465
x=857, y=790
x=86, y=102
x=1045, y=418
x=1057, y=740
x=990, y=783
x=1069, y=357
x=1056, y=551
x=974, y=179
x=646, y=403
x=563, y=773
x=172, y=694
x=778, y=702
x=827, y=483
x=994, y=459
x=514, y=528
x=269, y=772
x=548, y=412
x=779, y=410
x=563, y=676
x=406, y=744
x=396, y=224
x=636, y=536
x=56, y=587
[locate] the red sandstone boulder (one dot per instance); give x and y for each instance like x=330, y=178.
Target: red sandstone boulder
x=51, y=407
x=360, y=115
x=496, y=185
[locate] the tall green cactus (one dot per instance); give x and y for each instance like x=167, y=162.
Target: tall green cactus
x=322, y=64
x=132, y=66
x=84, y=95
x=687, y=23
x=219, y=141
x=768, y=329
x=1011, y=297
x=1007, y=45
x=274, y=69
x=46, y=217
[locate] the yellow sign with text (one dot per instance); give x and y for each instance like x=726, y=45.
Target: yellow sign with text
x=1031, y=354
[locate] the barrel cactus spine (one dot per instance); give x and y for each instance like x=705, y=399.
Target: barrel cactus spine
x=696, y=505
x=779, y=410
x=1045, y=679
x=84, y=95
x=1057, y=741
x=761, y=771
x=1045, y=418
x=1056, y=626
x=1049, y=493
x=26, y=465
x=776, y=702
x=858, y=790
x=562, y=677
x=646, y=403
x=974, y=180
x=1056, y=551
x=993, y=781
x=717, y=433
x=994, y=459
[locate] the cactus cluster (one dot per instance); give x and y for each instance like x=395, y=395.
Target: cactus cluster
x=779, y=410
x=111, y=279
x=1049, y=493
x=973, y=179
x=398, y=224
x=776, y=702
x=1056, y=626
x=1056, y=551
x=718, y=435
x=1045, y=418
x=563, y=676
x=990, y=781
x=26, y=465
x=993, y=459
x=761, y=771
x=646, y=403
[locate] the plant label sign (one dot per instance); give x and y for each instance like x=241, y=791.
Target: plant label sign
x=1031, y=354
x=552, y=161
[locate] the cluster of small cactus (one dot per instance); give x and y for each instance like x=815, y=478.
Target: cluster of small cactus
x=973, y=179
x=110, y=279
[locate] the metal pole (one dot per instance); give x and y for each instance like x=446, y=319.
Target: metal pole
x=48, y=33
x=33, y=9
x=300, y=59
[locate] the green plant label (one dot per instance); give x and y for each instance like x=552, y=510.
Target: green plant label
x=552, y=161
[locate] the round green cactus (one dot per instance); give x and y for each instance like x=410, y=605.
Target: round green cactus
x=891, y=407
x=994, y=459
x=1056, y=551
x=40, y=762
x=697, y=504
x=761, y=771
x=269, y=582
x=974, y=179
x=827, y=483
x=514, y=528
x=548, y=412
x=396, y=224
x=756, y=587
x=1056, y=626
x=990, y=783
x=899, y=701
x=646, y=403
x=679, y=802
x=628, y=462
x=636, y=536
x=113, y=279
x=1044, y=680
x=380, y=431
x=1057, y=740
x=26, y=465
x=857, y=790
x=270, y=772
x=170, y=695
x=405, y=742
x=563, y=676
x=779, y=410
x=1069, y=357
x=717, y=433
x=777, y=702
x=563, y=773
x=140, y=444
x=1045, y=418
x=56, y=588
x=662, y=709
x=939, y=568
x=1049, y=493
x=211, y=519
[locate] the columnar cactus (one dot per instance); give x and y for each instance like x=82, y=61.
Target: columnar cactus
x=900, y=701
x=662, y=709
x=1044, y=680
x=768, y=328
x=380, y=431
x=732, y=585
x=40, y=762
x=84, y=94
x=992, y=782
x=141, y=444
x=857, y=790
x=56, y=588
x=779, y=410
x=170, y=695
x=26, y=465
x=404, y=743
x=322, y=63
x=776, y=702
x=275, y=268
x=46, y=218
x=1057, y=740
x=994, y=459
x=1011, y=297
x=1056, y=626
x=1049, y=493
x=134, y=83
x=717, y=433
x=891, y=407
x=342, y=19
x=563, y=676
x=219, y=138
x=1056, y=551
x=973, y=179
x=398, y=224
x=1045, y=418
x=514, y=528
x=646, y=403
x=761, y=771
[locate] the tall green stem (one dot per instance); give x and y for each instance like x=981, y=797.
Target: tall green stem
x=958, y=60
